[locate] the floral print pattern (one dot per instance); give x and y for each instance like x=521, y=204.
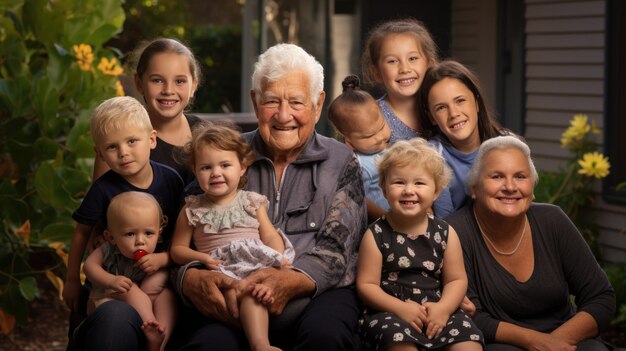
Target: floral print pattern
x=412, y=270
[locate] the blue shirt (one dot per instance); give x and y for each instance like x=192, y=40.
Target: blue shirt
x=454, y=196
x=371, y=182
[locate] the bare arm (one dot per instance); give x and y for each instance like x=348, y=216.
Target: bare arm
x=368, y=286
x=267, y=231
x=181, y=251
x=71, y=292
x=529, y=339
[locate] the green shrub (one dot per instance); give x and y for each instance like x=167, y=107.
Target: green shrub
x=49, y=84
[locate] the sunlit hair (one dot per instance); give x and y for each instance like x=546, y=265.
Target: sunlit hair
x=118, y=113
x=133, y=199
x=505, y=142
x=221, y=135
x=377, y=35
x=281, y=59
x=145, y=52
x=415, y=153
x=488, y=126
x=352, y=95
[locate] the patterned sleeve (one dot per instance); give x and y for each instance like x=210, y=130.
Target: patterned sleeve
x=254, y=201
x=331, y=260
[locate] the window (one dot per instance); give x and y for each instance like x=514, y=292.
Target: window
x=615, y=93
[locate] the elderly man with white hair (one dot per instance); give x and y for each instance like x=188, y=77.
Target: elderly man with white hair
x=316, y=198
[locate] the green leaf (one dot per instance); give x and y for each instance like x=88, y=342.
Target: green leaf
x=14, y=211
x=56, y=232
x=14, y=53
x=28, y=288
x=14, y=303
x=46, y=103
x=43, y=19
x=45, y=148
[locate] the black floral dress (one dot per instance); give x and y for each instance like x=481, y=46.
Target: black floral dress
x=412, y=270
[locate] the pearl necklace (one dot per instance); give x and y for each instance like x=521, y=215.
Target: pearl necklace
x=482, y=232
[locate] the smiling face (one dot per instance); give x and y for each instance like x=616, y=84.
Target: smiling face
x=409, y=190
x=286, y=114
x=454, y=109
x=218, y=173
x=504, y=187
x=126, y=150
x=167, y=85
x=366, y=132
x=401, y=65
x=135, y=226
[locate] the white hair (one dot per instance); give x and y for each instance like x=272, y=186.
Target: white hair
x=281, y=59
x=498, y=143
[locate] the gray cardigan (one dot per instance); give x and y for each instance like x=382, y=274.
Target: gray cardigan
x=564, y=266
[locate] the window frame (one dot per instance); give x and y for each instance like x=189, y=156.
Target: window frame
x=615, y=102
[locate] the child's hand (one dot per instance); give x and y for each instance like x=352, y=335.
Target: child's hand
x=210, y=262
x=71, y=293
x=151, y=263
x=414, y=314
x=263, y=294
x=120, y=284
x=436, y=319
x=285, y=263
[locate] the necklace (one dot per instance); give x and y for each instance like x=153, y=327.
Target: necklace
x=482, y=232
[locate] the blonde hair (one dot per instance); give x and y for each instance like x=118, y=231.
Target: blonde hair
x=415, y=153
x=118, y=113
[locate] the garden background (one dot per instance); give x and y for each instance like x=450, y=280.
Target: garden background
x=60, y=59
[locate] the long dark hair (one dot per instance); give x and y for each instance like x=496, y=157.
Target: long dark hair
x=488, y=126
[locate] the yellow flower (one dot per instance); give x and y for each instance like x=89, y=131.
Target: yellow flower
x=110, y=67
x=84, y=56
x=594, y=164
x=119, y=89
x=576, y=132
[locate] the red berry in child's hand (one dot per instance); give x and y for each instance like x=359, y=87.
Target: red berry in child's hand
x=139, y=254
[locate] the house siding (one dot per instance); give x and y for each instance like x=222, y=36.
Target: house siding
x=564, y=75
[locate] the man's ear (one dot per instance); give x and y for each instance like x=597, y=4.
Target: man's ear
x=253, y=98
x=320, y=104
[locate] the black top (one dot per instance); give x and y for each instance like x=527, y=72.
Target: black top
x=165, y=153
x=564, y=266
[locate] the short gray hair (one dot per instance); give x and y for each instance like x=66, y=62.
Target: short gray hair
x=281, y=59
x=499, y=143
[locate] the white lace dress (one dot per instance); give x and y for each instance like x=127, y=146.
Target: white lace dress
x=231, y=233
